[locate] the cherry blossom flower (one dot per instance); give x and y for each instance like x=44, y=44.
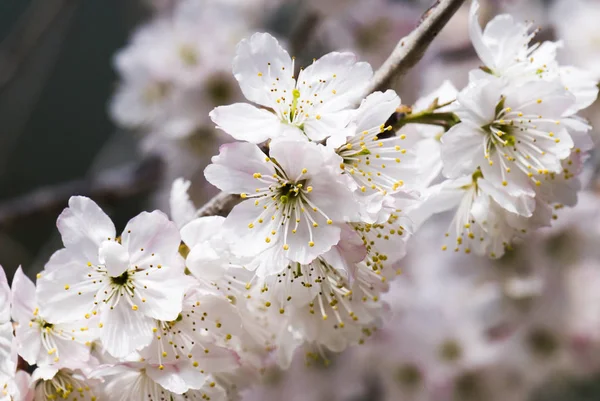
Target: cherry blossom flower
x=317, y=104
x=129, y=281
x=40, y=342
x=512, y=133
x=504, y=47
x=377, y=166
x=293, y=198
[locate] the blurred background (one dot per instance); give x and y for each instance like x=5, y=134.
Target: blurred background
x=110, y=99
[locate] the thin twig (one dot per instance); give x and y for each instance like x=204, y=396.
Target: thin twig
x=411, y=49
x=107, y=187
x=220, y=205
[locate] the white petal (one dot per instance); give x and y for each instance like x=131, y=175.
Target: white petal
x=233, y=170
x=5, y=297
x=201, y=230
x=462, y=147
x=375, y=110
x=260, y=65
x=582, y=84
x=124, y=330
x=476, y=36
x=151, y=239
x=294, y=156
x=182, y=208
x=114, y=257
x=249, y=241
x=245, y=122
x=29, y=342
x=23, y=297
x=66, y=294
x=162, y=290
x=521, y=205
x=317, y=129
x=178, y=378
x=336, y=79
x=83, y=226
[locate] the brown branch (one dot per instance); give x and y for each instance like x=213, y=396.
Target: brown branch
x=411, y=49
x=220, y=205
x=107, y=187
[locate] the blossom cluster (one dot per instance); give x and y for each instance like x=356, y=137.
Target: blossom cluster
x=515, y=156
x=331, y=183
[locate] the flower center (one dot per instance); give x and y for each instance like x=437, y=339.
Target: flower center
x=121, y=280
x=289, y=191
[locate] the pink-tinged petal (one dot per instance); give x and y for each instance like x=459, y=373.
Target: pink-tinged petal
x=261, y=65
x=250, y=238
x=160, y=291
x=125, y=330
x=23, y=298
x=462, y=147
x=323, y=237
x=29, y=342
x=350, y=249
x=66, y=295
x=177, y=378
x=337, y=79
x=317, y=129
x=114, y=257
x=182, y=208
x=215, y=359
x=151, y=239
x=233, y=169
x=83, y=226
x=294, y=156
x=66, y=257
x=44, y=373
x=23, y=382
x=5, y=297
x=201, y=230
x=245, y=122
x=333, y=198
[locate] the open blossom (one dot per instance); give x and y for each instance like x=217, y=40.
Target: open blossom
x=513, y=134
x=505, y=49
x=317, y=104
x=377, y=160
x=294, y=198
x=129, y=281
x=44, y=343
